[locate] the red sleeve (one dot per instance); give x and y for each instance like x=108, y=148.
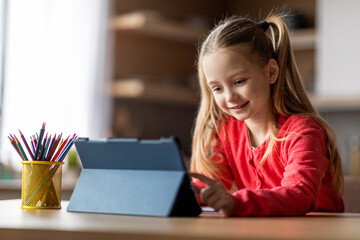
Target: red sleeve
x=306, y=164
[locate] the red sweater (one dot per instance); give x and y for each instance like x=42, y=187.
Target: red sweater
x=293, y=180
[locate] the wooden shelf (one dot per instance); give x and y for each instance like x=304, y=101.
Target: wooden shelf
x=156, y=92
x=334, y=103
x=151, y=23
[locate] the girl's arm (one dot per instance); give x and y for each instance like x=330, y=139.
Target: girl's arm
x=306, y=166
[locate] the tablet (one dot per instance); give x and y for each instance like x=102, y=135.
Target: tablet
x=133, y=177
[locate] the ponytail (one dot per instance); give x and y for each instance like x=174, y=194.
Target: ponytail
x=289, y=95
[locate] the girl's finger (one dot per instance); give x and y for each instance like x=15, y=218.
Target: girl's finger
x=205, y=193
x=220, y=204
x=208, y=181
x=225, y=204
x=213, y=201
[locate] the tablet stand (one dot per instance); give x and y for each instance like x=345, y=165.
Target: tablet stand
x=133, y=177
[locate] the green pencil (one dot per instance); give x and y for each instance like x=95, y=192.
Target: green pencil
x=20, y=148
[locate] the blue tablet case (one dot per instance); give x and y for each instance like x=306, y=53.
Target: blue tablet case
x=133, y=177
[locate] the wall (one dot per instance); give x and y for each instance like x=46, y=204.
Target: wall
x=338, y=73
x=338, y=47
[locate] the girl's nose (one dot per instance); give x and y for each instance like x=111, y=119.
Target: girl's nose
x=231, y=96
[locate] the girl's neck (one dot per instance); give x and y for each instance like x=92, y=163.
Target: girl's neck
x=258, y=131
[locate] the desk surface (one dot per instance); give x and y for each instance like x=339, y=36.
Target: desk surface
x=17, y=223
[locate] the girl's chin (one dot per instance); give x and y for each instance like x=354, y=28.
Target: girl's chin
x=240, y=118
x=240, y=115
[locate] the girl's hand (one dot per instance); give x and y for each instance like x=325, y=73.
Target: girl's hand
x=215, y=195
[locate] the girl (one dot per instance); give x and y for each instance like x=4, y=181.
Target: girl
x=257, y=128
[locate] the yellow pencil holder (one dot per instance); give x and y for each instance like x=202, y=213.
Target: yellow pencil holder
x=41, y=184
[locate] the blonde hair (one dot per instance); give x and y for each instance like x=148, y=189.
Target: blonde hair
x=288, y=94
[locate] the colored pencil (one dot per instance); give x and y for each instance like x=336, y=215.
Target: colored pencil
x=46, y=148
x=33, y=146
x=61, y=147
x=43, y=146
x=20, y=148
x=65, y=149
x=42, y=130
x=26, y=145
x=53, y=148
x=63, y=154
x=15, y=146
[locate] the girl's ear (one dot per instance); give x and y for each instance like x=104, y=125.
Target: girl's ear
x=273, y=70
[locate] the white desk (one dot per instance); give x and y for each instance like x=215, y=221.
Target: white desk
x=17, y=223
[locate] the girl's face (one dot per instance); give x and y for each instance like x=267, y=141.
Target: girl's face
x=239, y=83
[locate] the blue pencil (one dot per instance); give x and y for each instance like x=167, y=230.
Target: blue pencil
x=63, y=154
x=42, y=130
x=46, y=148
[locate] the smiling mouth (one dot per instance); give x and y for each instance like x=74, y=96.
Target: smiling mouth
x=240, y=106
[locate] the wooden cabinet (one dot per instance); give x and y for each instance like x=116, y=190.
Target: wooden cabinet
x=155, y=42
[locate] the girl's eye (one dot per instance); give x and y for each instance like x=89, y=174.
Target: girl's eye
x=216, y=89
x=240, y=81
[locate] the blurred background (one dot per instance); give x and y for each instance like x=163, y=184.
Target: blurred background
x=127, y=68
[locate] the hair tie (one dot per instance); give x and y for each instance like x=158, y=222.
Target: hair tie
x=264, y=25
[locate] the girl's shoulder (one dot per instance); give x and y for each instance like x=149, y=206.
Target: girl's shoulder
x=298, y=122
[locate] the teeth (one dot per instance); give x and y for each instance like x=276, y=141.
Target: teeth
x=242, y=105
x=239, y=106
